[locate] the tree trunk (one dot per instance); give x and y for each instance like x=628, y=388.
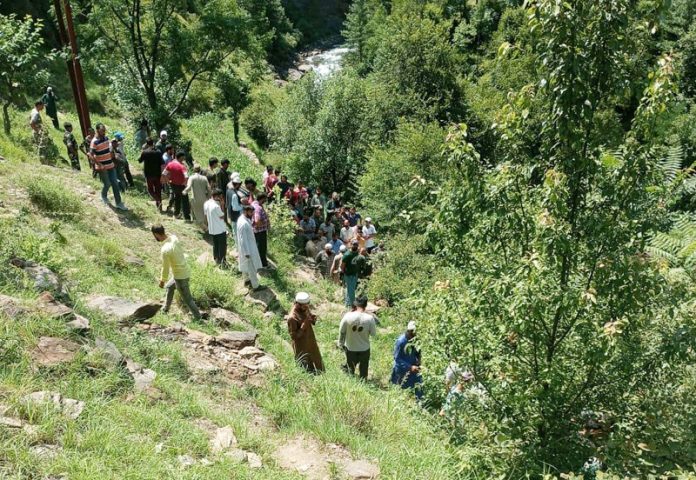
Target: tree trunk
x=6, y=117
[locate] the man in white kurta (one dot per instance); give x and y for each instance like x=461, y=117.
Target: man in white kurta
x=249, y=259
x=199, y=186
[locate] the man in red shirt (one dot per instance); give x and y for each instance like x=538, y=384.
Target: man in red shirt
x=176, y=174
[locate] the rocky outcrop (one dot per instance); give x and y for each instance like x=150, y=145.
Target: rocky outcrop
x=266, y=299
x=69, y=407
x=43, y=278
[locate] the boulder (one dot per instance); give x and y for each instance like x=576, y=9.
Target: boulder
x=236, y=340
x=305, y=67
x=312, y=249
x=123, y=310
x=133, y=261
x=143, y=377
x=226, y=318
x=360, y=470
x=251, y=352
x=372, y=309
x=109, y=351
x=48, y=305
x=52, y=351
x=237, y=455
x=294, y=75
x=196, y=336
x=10, y=422
x=79, y=324
x=265, y=298
x=68, y=406
x=266, y=363
x=44, y=278
x=253, y=460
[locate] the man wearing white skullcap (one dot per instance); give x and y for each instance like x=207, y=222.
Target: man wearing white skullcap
x=407, y=361
x=301, y=323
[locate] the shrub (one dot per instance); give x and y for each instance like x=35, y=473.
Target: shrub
x=54, y=199
x=258, y=116
x=107, y=252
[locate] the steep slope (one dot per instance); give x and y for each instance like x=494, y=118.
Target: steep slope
x=206, y=414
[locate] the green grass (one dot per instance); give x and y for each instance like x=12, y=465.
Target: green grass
x=119, y=433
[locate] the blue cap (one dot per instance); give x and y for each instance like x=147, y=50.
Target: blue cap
x=118, y=136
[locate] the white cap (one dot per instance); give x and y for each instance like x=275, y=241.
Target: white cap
x=411, y=326
x=302, y=297
x=163, y=132
x=342, y=248
x=328, y=246
x=236, y=178
x=368, y=219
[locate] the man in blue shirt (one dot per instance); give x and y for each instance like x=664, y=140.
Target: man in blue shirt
x=407, y=360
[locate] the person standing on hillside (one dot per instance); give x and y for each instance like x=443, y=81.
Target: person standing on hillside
x=85, y=148
x=217, y=228
x=261, y=227
x=49, y=99
x=369, y=232
x=248, y=252
x=124, y=166
x=199, y=187
x=301, y=323
x=269, y=184
x=336, y=266
x=232, y=202
x=334, y=204
x=354, y=334
x=175, y=171
x=350, y=269
x=36, y=124
x=71, y=144
x=324, y=260
x=175, y=271
x=104, y=164
x=283, y=185
x=247, y=193
x=407, y=361
x=222, y=177
x=152, y=169
x=162, y=143
x=141, y=135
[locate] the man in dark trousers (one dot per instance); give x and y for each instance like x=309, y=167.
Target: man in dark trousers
x=152, y=169
x=261, y=225
x=354, y=334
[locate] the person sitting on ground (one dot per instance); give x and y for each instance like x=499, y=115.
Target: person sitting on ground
x=217, y=228
x=308, y=228
x=175, y=273
x=199, y=188
x=324, y=260
x=407, y=362
x=354, y=334
x=248, y=252
x=301, y=323
x=71, y=144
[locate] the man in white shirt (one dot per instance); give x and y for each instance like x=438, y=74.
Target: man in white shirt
x=217, y=228
x=355, y=331
x=369, y=232
x=347, y=232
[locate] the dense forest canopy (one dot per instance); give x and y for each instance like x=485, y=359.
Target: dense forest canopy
x=531, y=163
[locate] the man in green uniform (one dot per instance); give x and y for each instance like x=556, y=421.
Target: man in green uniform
x=49, y=99
x=71, y=145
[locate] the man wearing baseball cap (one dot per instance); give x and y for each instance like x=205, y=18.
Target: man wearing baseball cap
x=407, y=361
x=233, y=201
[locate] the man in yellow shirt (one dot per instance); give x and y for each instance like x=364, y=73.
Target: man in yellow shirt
x=174, y=263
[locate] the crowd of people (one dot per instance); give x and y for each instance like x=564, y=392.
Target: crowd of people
x=221, y=204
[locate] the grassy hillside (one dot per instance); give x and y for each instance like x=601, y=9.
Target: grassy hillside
x=53, y=216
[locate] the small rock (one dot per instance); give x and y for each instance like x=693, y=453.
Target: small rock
x=266, y=364
x=294, y=75
x=72, y=408
x=143, y=377
x=360, y=470
x=10, y=422
x=53, y=351
x=123, y=310
x=201, y=366
x=79, y=324
x=254, y=460
x=196, y=336
x=268, y=316
x=223, y=440
x=236, y=340
x=159, y=447
x=372, y=308
x=237, y=455
x=186, y=461
x=251, y=352
x=109, y=351
x=133, y=261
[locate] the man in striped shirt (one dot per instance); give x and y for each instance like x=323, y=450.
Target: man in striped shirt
x=103, y=158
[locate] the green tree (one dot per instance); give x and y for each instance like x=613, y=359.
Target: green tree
x=556, y=307
x=165, y=46
x=234, y=94
x=362, y=21
x=22, y=55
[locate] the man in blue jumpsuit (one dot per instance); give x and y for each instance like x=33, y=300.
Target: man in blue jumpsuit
x=407, y=360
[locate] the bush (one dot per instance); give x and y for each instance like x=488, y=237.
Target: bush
x=54, y=199
x=107, y=252
x=258, y=116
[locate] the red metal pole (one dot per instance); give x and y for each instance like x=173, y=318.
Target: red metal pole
x=62, y=33
x=79, y=85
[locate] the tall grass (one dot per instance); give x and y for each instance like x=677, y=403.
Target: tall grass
x=53, y=199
